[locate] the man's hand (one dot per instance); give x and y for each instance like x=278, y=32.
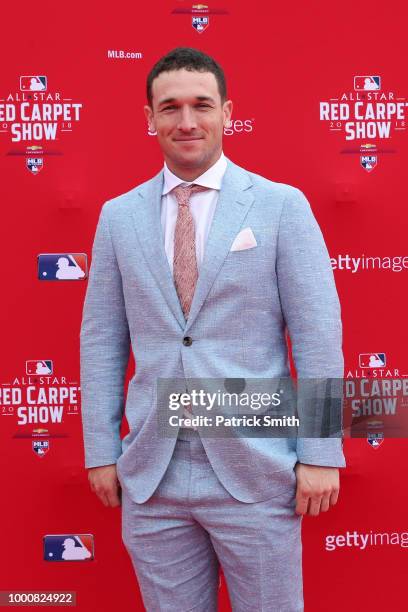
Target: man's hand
x=104, y=482
x=317, y=488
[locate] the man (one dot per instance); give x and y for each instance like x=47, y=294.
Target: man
x=203, y=268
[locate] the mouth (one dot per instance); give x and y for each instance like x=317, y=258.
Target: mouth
x=187, y=139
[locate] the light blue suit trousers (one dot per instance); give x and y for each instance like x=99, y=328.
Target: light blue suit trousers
x=191, y=525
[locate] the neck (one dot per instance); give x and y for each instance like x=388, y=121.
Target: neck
x=189, y=174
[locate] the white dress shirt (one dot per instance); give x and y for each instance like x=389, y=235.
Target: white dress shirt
x=202, y=206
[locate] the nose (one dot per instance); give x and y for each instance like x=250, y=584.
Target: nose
x=187, y=120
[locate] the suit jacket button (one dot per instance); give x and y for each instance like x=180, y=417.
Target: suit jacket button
x=187, y=341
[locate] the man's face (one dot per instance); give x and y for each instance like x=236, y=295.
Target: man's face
x=189, y=117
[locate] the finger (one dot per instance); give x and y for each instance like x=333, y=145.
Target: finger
x=302, y=501
x=91, y=484
x=103, y=497
x=314, y=506
x=325, y=503
x=113, y=497
x=334, y=497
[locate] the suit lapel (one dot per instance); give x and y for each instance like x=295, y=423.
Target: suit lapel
x=234, y=201
x=146, y=218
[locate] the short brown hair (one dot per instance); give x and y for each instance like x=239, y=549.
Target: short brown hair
x=189, y=59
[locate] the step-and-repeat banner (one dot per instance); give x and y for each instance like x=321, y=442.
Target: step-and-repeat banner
x=320, y=102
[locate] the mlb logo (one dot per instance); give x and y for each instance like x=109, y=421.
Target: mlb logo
x=68, y=547
x=372, y=360
x=41, y=447
x=375, y=439
x=34, y=164
x=39, y=366
x=200, y=23
x=367, y=83
x=33, y=82
x=62, y=266
x=368, y=162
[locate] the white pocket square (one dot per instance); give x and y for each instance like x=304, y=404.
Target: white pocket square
x=244, y=240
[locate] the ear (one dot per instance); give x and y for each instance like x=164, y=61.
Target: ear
x=227, y=112
x=149, y=116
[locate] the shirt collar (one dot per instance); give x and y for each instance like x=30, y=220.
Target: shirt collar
x=211, y=178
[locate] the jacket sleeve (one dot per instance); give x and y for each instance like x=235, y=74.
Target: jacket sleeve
x=104, y=352
x=311, y=310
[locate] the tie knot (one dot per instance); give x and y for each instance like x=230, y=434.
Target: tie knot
x=183, y=192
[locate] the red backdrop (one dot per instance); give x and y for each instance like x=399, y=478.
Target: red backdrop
x=281, y=63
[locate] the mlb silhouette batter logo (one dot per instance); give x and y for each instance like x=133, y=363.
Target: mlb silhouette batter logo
x=368, y=162
x=375, y=439
x=62, y=266
x=33, y=82
x=34, y=164
x=69, y=547
x=367, y=82
x=42, y=367
x=372, y=360
x=41, y=447
x=200, y=23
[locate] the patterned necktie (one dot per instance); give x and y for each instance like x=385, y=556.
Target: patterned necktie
x=185, y=270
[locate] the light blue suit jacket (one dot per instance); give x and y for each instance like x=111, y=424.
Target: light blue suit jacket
x=243, y=304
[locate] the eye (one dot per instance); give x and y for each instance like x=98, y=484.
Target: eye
x=168, y=107
x=203, y=105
